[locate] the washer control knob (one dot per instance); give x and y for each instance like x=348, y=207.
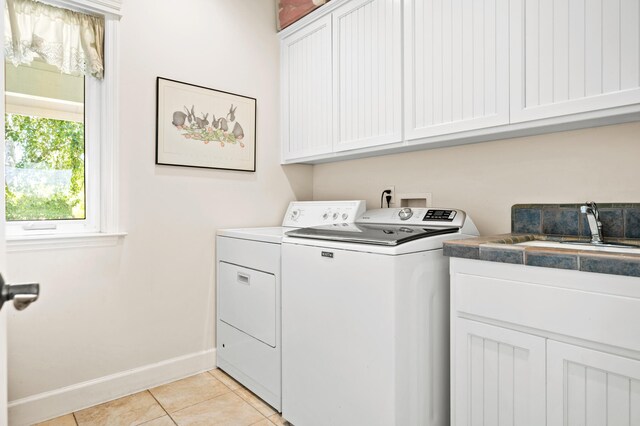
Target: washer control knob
x=345, y=216
x=335, y=215
x=325, y=215
x=295, y=214
x=405, y=213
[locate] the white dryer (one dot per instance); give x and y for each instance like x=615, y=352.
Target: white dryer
x=365, y=319
x=248, y=294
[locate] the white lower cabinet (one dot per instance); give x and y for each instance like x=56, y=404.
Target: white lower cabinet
x=540, y=346
x=585, y=386
x=499, y=376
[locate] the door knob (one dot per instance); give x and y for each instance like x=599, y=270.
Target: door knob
x=22, y=294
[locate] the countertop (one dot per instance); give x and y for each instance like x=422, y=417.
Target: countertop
x=502, y=248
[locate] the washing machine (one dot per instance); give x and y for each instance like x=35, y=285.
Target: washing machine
x=248, y=323
x=365, y=319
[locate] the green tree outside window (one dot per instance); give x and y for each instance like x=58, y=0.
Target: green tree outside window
x=44, y=162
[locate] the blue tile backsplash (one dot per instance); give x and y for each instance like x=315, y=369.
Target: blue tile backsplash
x=526, y=221
x=632, y=223
x=560, y=221
x=619, y=220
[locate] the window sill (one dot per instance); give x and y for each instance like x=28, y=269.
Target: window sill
x=62, y=241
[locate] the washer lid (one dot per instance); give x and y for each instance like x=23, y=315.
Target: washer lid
x=388, y=235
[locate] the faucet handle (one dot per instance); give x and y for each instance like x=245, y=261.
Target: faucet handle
x=590, y=209
x=593, y=207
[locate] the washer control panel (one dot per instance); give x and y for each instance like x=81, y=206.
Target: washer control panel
x=444, y=215
x=302, y=214
x=415, y=216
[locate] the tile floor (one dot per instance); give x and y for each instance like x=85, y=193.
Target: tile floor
x=210, y=398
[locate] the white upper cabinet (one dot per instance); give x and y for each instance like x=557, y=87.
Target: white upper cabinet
x=367, y=44
x=573, y=56
x=307, y=90
x=363, y=76
x=456, y=66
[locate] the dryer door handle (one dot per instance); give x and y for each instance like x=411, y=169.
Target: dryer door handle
x=244, y=278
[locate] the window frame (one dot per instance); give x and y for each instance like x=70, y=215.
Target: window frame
x=101, y=150
x=91, y=222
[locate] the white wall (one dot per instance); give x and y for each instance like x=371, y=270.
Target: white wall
x=107, y=310
x=486, y=179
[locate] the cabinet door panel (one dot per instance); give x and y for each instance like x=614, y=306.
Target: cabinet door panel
x=499, y=376
x=367, y=66
x=307, y=91
x=456, y=65
x=585, y=386
x=571, y=56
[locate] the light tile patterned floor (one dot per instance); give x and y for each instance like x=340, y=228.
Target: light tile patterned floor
x=211, y=398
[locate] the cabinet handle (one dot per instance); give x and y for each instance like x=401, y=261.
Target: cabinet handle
x=243, y=278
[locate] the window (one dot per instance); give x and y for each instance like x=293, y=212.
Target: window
x=45, y=149
x=60, y=119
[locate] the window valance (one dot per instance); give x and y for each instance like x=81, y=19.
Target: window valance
x=72, y=41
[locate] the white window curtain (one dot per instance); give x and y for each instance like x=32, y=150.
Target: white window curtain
x=72, y=41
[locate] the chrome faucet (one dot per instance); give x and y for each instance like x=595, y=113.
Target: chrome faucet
x=593, y=217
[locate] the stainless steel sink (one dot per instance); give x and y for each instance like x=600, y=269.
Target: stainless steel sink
x=577, y=245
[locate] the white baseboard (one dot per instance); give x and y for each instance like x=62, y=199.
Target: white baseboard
x=47, y=405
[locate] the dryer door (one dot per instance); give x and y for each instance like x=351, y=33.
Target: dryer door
x=248, y=301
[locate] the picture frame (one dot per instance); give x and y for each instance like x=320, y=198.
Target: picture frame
x=201, y=127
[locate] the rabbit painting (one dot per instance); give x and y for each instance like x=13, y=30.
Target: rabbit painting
x=200, y=129
x=202, y=122
x=223, y=124
x=231, y=115
x=237, y=131
x=179, y=117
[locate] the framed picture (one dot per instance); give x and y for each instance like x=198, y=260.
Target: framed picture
x=289, y=11
x=201, y=127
